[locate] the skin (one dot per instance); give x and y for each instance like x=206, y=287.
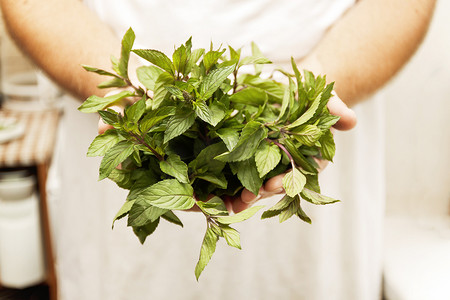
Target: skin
x=361, y=52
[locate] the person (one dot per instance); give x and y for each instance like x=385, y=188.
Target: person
x=358, y=45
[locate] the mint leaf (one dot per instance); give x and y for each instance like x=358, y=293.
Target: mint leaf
x=172, y=218
x=203, y=112
x=207, y=250
x=278, y=208
x=267, y=158
x=123, y=211
x=169, y=194
x=218, y=179
x=95, y=103
x=174, y=166
x=213, y=80
x=211, y=58
x=248, y=175
x=142, y=232
x=103, y=142
x=229, y=136
x=239, y=217
x=213, y=207
x=293, y=182
x=142, y=213
x=307, y=135
x=328, y=148
x=231, y=236
x=134, y=112
x=147, y=75
x=250, y=96
x=157, y=58
x=316, y=198
x=307, y=115
x=114, y=156
x=99, y=71
x=127, y=44
x=183, y=119
x=180, y=58
x=123, y=178
x=252, y=134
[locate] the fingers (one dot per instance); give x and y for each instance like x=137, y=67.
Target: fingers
x=338, y=108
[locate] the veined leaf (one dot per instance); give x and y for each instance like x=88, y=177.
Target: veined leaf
x=278, y=208
x=248, y=175
x=307, y=135
x=239, y=217
x=95, y=103
x=169, y=194
x=250, y=96
x=157, y=58
x=142, y=213
x=316, y=198
x=123, y=211
x=267, y=158
x=213, y=80
x=213, y=207
x=147, y=75
x=127, y=44
x=142, y=232
x=115, y=155
x=328, y=148
x=231, y=235
x=206, y=252
x=172, y=218
x=229, y=136
x=309, y=113
x=293, y=182
x=179, y=123
x=174, y=166
x=103, y=142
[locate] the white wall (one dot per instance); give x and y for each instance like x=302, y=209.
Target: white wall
x=418, y=126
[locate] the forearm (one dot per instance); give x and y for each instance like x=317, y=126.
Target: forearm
x=60, y=36
x=370, y=44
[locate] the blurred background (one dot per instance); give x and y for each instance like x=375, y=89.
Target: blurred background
x=417, y=227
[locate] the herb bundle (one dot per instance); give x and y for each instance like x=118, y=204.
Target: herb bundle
x=209, y=130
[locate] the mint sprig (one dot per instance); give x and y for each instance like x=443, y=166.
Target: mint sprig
x=209, y=130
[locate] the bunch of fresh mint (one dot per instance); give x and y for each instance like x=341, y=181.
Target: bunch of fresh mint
x=208, y=130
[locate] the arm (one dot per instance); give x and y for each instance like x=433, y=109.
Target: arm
x=369, y=44
x=60, y=35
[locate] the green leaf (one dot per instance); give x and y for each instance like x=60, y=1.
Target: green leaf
x=325, y=122
x=205, y=159
x=112, y=83
x=95, y=103
x=157, y=58
x=213, y=207
x=160, y=92
x=218, y=112
x=231, y=235
x=202, y=111
x=290, y=210
x=328, y=148
x=123, y=211
x=293, y=182
x=127, y=44
x=239, y=217
x=169, y=194
x=147, y=75
x=250, y=96
x=254, y=59
x=207, y=250
x=155, y=117
x=142, y=232
x=174, y=166
x=267, y=158
x=114, y=156
x=248, y=175
x=172, y=218
x=213, y=80
x=142, y=213
x=218, y=179
x=229, y=136
x=252, y=134
x=307, y=135
x=277, y=208
x=123, y=178
x=134, y=112
x=99, y=71
x=103, y=142
x=183, y=119
x=316, y=198
x=302, y=215
x=175, y=91
x=211, y=58
x=179, y=58
x=307, y=115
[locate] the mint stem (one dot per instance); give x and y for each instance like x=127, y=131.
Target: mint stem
x=285, y=151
